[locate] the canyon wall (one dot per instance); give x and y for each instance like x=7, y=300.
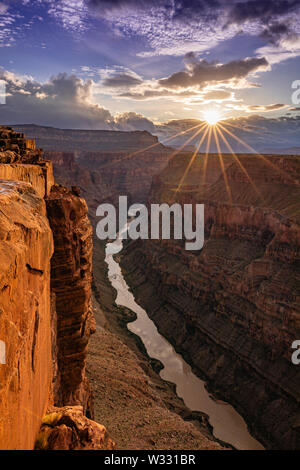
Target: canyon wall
x=232, y=308
x=45, y=314
x=26, y=247
x=71, y=279
x=104, y=176
x=70, y=140
x=104, y=164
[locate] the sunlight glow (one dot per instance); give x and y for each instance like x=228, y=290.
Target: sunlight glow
x=212, y=116
x=208, y=131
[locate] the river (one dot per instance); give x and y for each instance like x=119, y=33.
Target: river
x=228, y=425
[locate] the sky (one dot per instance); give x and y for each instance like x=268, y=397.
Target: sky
x=133, y=64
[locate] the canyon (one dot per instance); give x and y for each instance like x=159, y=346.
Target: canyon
x=232, y=309
x=57, y=378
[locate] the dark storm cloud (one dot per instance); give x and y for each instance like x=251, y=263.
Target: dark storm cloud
x=181, y=10
x=275, y=32
x=122, y=80
x=239, y=11
x=177, y=7
x=216, y=13
x=263, y=10
x=200, y=73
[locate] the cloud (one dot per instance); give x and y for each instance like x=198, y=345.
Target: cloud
x=263, y=10
x=72, y=14
x=200, y=73
x=266, y=108
x=275, y=32
x=178, y=26
x=3, y=8
x=122, y=80
x=156, y=93
x=133, y=121
x=7, y=31
x=64, y=101
x=286, y=48
x=168, y=27
x=200, y=81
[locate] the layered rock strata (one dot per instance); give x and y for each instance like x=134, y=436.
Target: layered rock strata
x=233, y=308
x=26, y=247
x=45, y=315
x=71, y=276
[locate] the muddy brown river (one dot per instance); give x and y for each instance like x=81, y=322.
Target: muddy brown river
x=228, y=425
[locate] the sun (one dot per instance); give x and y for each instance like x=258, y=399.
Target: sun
x=212, y=116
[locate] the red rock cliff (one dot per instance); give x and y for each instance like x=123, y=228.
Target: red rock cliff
x=71, y=277
x=45, y=314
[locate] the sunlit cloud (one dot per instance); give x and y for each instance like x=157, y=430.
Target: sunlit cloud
x=265, y=108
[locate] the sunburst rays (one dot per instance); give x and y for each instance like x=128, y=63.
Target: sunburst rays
x=208, y=132
x=216, y=132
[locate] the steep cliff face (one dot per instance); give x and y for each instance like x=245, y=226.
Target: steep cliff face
x=26, y=247
x=104, y=176
x=40, y=176
x=71, y=276
x=45, y=315
x=233, y=307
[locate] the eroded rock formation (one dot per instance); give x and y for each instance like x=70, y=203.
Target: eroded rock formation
x=68, y=429
x=26, y=247
x=45, y=315
x=71, y=277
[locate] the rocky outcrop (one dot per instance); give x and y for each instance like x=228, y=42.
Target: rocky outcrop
x=45, y=314
x=71, y=273
x=15, y=147
x=233, y=308
x=68, y=429
x=40, y=176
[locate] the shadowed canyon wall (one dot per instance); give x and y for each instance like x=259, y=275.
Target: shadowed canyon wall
x=232, y=308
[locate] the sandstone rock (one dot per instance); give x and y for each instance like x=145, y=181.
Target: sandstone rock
x=26, y=247
x=68, y=429
x=45, y=331
x=40, y=176
x=9, y=157
x=71, y=275
x=16, y=143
